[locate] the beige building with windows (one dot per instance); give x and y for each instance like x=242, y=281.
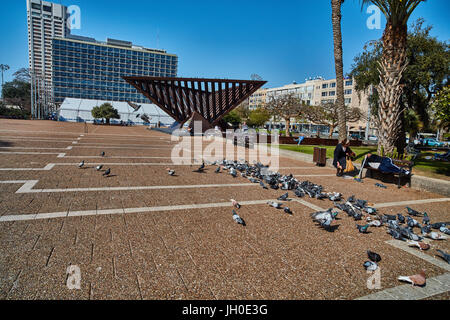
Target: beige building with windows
x=319, y=91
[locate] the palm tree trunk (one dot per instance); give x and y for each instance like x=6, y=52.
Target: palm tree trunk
x=393, y=64
x=339, y=65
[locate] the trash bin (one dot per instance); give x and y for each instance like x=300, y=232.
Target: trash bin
x=320, y=156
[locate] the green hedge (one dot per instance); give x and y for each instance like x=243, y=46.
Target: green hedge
x=14, y=113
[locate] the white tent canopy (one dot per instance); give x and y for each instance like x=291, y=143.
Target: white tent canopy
x=79, y=110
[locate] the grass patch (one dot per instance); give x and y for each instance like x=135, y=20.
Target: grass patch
x=361, y=152
x=430, y=167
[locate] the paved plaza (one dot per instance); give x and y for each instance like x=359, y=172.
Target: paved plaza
x=142, y=234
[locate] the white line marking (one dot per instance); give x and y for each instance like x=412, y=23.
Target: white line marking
x=33, y=148
x=69, y=214
x=75, y=142
x=309, y=205
x=29, y=153
x=411, y=202
x=61, y=155
x=48, y=167
x=29, y=184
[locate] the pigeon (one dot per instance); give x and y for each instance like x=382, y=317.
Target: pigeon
x=426, y=218
x=200, y=169
x=379, y=185
x=444, y=230
x=287, y=210
x=362, y=229
x=103, y=154
x=375, y=223
x=390, y=217
x=324, y=218
x=415, y=280
x=283, y=197
x=444, y=256
x=395, y=234
x=370, y=210
x=375, y=257
x=98, y=168
x=238, y=219
x=299, y=193
x=393, y=224
x=408, y=233
x=81, y=165
x=435, y=236
x=412, y=222
x=351, y=199
x=263, y=185
x=413, y=212
x=233, y=173
x=235, y=204
x=400, y=218
x=370, y=266
x=438, y=225
x=276, y=205
x=217, y=170
x=107, y=172
x=420, y=245
x=170, y=172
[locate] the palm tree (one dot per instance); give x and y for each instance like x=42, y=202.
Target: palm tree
x=339, y=65
x=391, y=67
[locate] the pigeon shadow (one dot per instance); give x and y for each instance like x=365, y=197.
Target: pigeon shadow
x=111, y=176
x=332, y=228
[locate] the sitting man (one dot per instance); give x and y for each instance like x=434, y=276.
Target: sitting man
x=384, y=164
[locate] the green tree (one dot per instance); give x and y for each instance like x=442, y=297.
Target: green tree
x=392, y=65
x=233, y=118
x=441, y=108
x=258, y=117
x=427, y=72
x=105, y=111
x=17, y=93
x=336, y=17
x=286, y=107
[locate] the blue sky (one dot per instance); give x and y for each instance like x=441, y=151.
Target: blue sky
x=282, y=41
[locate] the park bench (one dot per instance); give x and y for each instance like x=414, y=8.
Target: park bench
x=404, y=164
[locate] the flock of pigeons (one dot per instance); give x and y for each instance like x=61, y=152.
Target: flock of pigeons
x=106, y=173
x=399, y=226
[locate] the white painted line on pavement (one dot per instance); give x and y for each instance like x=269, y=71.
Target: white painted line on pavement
x=48, y=167
x=69, y=214
x=29, y=184
x=410, y=202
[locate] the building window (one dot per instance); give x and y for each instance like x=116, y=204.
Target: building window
x=349, y=83
x=332, y=93
x=325, y=86
x=324, y=94
x=348, y=100
x=348, y=91
x=333, y=85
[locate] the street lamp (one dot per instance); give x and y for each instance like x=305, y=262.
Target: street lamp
x=3, y=68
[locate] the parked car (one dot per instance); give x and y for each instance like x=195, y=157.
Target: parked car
x=432, y=143
x=373, y=138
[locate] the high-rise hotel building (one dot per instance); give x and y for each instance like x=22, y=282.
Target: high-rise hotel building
x=46, y=21
x=84, y=68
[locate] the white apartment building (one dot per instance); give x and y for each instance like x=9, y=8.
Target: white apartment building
x=46, y=21
x=319, y=91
